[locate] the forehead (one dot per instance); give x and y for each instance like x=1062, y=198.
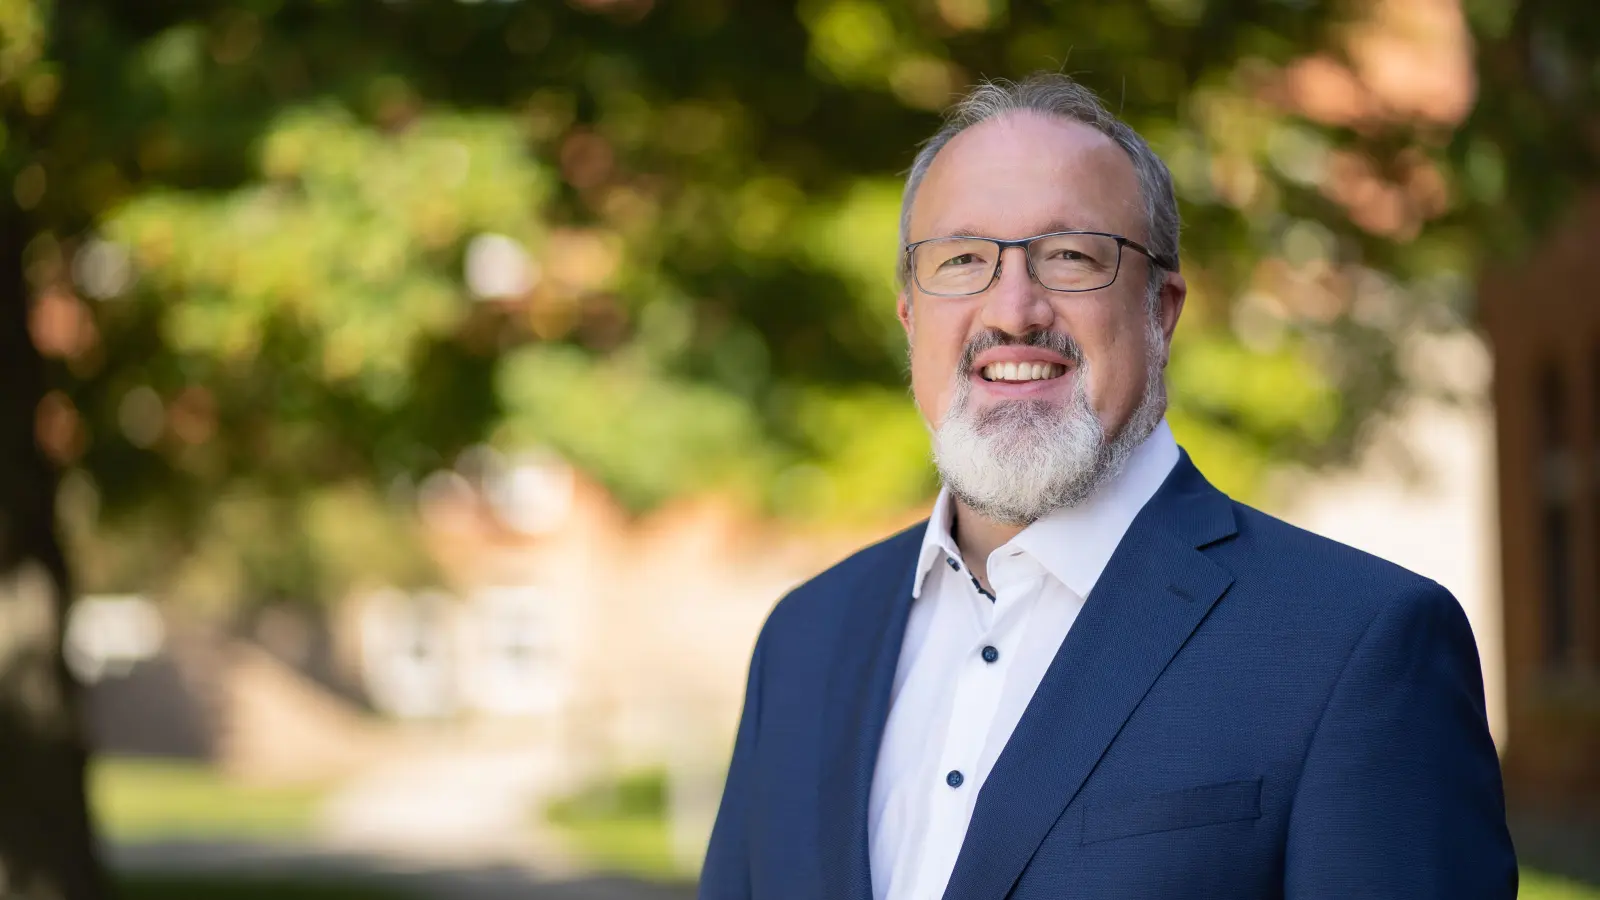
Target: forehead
x=1025, y=173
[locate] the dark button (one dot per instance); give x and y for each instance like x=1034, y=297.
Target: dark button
x=990, y=654
x=953, y=564
x=954, y=779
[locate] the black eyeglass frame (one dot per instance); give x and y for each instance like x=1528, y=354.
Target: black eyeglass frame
x=1024, y=244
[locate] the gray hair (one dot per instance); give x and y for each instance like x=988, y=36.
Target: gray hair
x=1059, y=95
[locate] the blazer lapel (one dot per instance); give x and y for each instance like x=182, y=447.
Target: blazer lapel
x=859, y=684
x=1154, y=592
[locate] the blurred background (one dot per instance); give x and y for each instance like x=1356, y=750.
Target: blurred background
x=409, y=409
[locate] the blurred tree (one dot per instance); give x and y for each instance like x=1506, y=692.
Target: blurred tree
x=46, y=844
x=45, y=841
x=274, y=252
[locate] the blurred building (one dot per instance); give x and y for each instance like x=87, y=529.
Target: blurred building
x=625, y=638
x=1543, y=319
x=1422, y=495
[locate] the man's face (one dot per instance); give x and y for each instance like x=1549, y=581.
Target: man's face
x=1011, y=177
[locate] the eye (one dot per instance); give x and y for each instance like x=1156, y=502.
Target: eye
x=1069, y=255
x=961, y=259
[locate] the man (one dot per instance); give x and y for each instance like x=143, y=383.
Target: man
x=1091, y=674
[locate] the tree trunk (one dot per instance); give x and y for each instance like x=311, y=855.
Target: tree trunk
x=47, y=847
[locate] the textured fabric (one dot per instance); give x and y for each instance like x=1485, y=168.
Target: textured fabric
x=1240, y=710
x=951, y=710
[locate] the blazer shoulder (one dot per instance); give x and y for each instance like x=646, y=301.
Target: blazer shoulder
x=1294, y=562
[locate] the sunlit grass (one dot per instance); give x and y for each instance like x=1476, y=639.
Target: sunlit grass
x=628, y=846
x=621, y=827
x=146, y=799
x=1538, y=886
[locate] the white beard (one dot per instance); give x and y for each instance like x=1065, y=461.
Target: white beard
x=1018, y=461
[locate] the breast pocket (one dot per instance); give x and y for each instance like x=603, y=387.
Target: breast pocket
x=1208, y=804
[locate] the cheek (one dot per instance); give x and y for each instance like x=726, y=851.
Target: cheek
x=931, y=380
x=936, y=348
x=1116, y=350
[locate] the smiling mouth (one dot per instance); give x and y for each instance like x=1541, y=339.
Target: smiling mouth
x=1020, y=372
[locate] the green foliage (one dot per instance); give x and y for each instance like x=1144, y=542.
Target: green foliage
x=349, y=240
x=880, y=470
x=650, y=438
x=251, y=546
x=22, y=27
x=687, y=212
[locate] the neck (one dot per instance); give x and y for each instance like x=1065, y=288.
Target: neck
x=977, y=537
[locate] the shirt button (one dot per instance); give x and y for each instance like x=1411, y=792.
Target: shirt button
x=990, y=654
x=954, y=779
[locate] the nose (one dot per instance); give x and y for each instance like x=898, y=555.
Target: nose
x=1016, y=303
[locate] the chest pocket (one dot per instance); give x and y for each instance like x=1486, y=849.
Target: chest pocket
x=1209, y=804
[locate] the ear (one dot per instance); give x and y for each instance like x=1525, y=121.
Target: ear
x=902, y=310
x=1169, y=307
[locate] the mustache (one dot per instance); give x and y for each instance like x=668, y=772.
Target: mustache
x=1054, y=341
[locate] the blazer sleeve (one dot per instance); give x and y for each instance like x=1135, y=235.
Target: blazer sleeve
x=725, y=874
x=1400, y=795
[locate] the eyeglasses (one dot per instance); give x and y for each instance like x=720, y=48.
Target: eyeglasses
x=1060, y=261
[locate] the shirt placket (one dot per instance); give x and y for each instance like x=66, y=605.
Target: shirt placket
x=979, y=684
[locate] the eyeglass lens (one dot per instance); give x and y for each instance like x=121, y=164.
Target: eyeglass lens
x=1062, y=262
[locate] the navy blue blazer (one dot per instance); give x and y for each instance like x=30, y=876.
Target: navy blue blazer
x=1241, y=710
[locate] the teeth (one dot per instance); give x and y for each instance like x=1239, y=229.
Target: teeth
x=1022, y=371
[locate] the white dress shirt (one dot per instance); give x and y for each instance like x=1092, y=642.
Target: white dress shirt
x=969, y=665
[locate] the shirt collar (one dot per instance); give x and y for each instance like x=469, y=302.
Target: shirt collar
x=936, y=541
x=1075, y=543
